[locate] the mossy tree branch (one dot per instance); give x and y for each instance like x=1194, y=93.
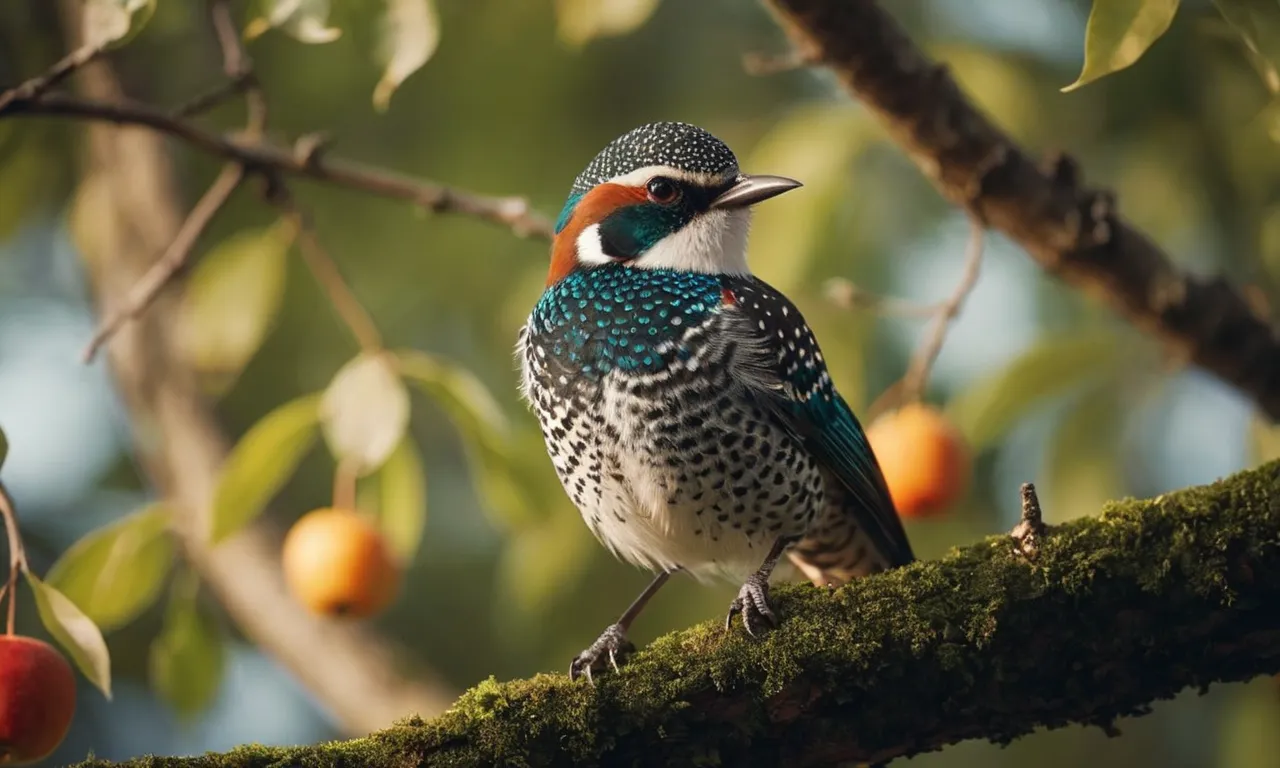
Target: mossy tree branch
x=1109, y=614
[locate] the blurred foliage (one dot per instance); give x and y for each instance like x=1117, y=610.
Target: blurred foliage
x=511, y=97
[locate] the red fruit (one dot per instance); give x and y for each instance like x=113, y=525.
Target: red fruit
x=337, y=563
x=925, y=459
x=37, y=699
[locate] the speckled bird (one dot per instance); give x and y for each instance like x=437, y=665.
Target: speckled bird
x=684, y=402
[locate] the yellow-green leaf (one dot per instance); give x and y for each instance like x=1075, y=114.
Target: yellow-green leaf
x=463, y=396
x=365, y=411
x=305, y=20
x=186, y=659
x=1051, y=367
x=75, y=632
x=116, y=572
x=486, y=434
x=408, y=35
x=261, y=462
x=112, y=23
x=232, y=299
x=1119, y=32
x=578, y=21
x=402, y=499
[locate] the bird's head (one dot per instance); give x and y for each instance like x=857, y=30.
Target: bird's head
x=662, y=196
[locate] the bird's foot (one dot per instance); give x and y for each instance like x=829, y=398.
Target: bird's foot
x=753, y=603
x=611, y=645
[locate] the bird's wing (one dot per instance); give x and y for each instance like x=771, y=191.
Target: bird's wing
x=779, y=361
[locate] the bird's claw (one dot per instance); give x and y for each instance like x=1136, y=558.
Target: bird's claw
x=611, y=644
x=753, y=603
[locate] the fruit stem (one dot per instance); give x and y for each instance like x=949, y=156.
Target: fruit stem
x=344, y=485
x=17, y=556
x=917, y=376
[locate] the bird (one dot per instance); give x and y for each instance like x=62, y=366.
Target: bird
x=685, y=404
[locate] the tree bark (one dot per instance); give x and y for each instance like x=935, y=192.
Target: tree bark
x=1071, y=230
x=1107, y=615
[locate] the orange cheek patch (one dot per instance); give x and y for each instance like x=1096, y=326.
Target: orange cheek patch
x=591, y=209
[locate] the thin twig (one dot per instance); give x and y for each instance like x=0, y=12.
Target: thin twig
x=917, y=376
x=211, y=98
x=17, y=554
x=761, y=64
x=511, y=212
x=1030, y=529
x=237, y=65
x=171, y=261
x=326, y=272
x=345, y=476
x=33, y=88
x=847, y=295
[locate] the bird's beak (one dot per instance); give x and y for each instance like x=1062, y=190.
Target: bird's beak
x=749, y=190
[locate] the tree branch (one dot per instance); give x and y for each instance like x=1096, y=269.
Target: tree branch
x=511, y=212
x=1106, y=615
x=173, y=259
x=1071, y=230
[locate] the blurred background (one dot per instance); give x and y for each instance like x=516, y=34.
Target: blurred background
x=1046, y=384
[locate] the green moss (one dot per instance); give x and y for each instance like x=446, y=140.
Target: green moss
x=1112, y=613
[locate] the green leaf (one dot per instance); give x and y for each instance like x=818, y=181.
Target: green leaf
x=816, y=144
x=408, y=35
x=116, y=572
x=112, y=23
x=187, y=658
x=4, y=448
x=498, y=475
x=1119, y=32
x=1258, y=24
x=261, y=463
x=1051, y=367
x=402, y=499
x=365, y=411
x=232, y=299
x=579, y=21
x=75, y=632
x=305, y=20
x=463, y=396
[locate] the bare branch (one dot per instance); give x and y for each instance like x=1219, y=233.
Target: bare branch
x=173, y=259
x=326, y=272
x=237, y=66
x=917, y=376
x=211, y=98
x=511, y=212
x=1071, y=230
x=36, y=86
x=847, y=295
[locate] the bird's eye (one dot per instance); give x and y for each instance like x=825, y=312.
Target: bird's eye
x=662, y=190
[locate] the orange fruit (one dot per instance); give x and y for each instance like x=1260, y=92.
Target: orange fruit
x=336, y=563
x=37, y=699
x=925, y=459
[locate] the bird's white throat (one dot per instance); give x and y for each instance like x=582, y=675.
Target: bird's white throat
x=713, y=242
